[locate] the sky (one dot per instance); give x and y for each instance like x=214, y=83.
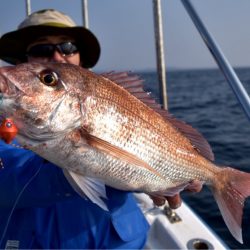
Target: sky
x=125, y=29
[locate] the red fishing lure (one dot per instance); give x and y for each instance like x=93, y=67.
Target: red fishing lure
x=8, y=130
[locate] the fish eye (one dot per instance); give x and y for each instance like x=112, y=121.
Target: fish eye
x=49, y=78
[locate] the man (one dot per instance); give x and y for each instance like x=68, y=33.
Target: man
x=38, y=207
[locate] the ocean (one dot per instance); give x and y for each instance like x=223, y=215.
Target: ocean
x=205, y=100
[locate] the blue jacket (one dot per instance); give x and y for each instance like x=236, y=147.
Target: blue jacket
x=50, y=214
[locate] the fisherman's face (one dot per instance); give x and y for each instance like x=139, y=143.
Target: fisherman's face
x=42, y=51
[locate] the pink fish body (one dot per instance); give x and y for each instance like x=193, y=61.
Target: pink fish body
x=110, y=132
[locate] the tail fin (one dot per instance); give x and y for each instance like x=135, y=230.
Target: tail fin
x=230, y=190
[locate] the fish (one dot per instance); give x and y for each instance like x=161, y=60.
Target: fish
x=104, y=129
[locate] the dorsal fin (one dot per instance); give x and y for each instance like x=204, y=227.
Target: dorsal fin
x=133, y=84
x=197, y=139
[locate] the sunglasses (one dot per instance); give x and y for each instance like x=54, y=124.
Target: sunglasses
x=47, y=50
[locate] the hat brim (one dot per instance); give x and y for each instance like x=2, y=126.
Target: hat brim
x=13, y=45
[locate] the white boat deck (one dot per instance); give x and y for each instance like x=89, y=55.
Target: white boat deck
x=178, y=229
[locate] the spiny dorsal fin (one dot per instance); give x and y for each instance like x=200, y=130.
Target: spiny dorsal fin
x=197, y=139
x=133, y=84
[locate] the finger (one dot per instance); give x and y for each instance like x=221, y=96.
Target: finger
x=158, y=201
x=174, y=201
x=194, y=186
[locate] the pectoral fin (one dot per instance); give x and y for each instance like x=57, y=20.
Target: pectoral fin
x=92, y=188
x=117, y=152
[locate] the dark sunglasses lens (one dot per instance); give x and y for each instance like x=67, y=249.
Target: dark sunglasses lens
x=41, y=50
x=67, y=48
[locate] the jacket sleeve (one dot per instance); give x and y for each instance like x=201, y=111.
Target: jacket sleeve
x=29, y=180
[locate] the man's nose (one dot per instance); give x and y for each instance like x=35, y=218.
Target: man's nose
x=57, y=57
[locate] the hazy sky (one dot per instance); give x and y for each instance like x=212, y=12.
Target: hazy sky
x=126, y=31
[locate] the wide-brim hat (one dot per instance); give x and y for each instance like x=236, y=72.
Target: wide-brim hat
x=13, y=45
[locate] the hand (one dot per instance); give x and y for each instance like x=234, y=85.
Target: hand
x=174, y=201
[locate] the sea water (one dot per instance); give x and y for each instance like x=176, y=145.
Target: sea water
x=204, y=99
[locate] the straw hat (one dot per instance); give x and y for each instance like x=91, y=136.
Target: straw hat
x=13, y=45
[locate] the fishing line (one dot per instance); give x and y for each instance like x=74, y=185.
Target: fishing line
x=16, y=201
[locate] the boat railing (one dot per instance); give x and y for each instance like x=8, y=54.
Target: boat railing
x=160, y=58
x=220, y=59
x=85, y=14
x=28, y=7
